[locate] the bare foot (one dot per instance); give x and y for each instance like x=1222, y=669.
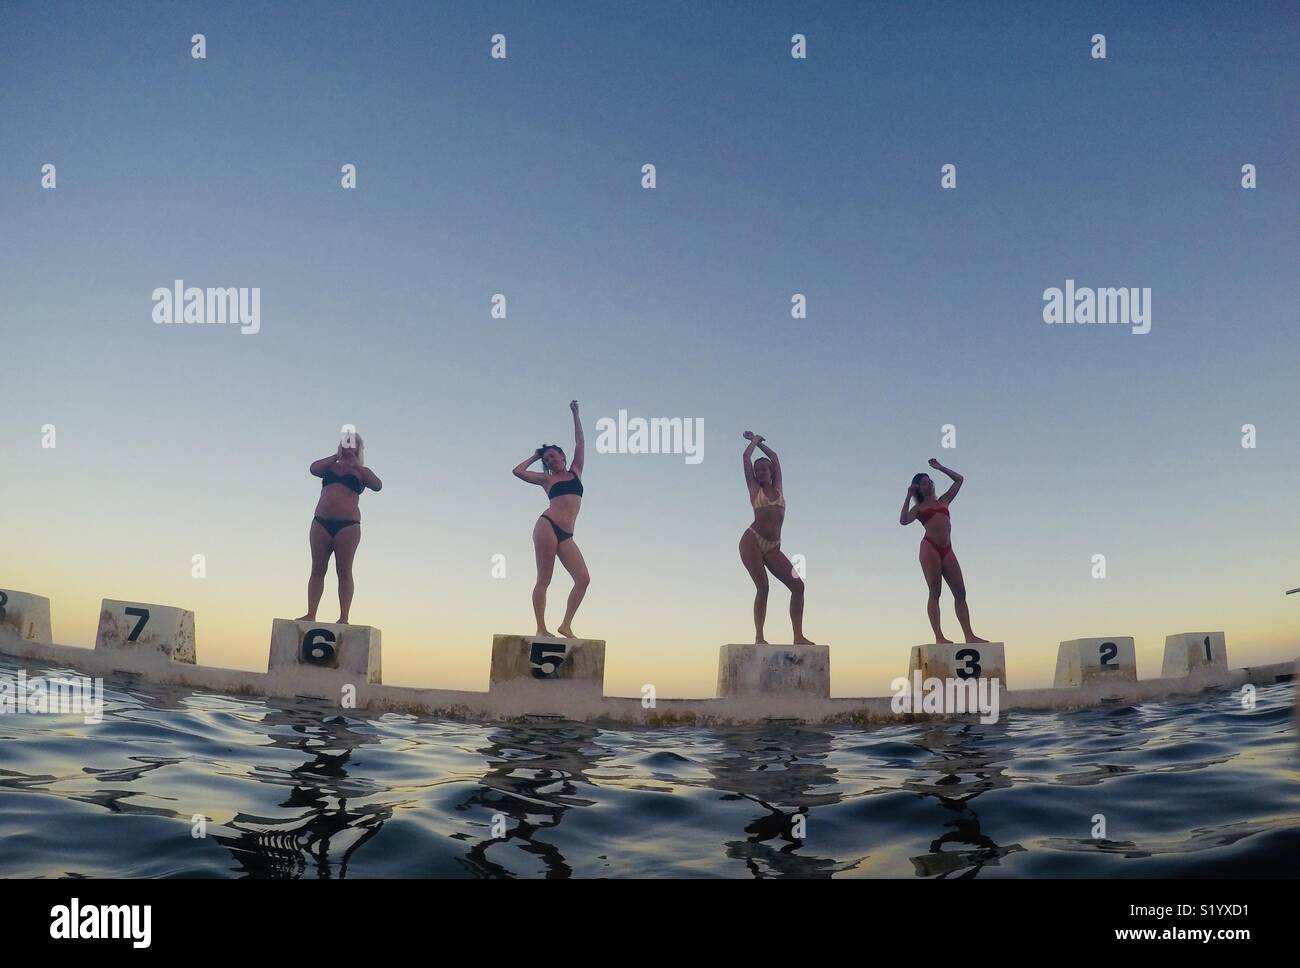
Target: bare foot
x=801, y=640
x=759, y=640
x=305, y=618
x=543, y=633
x=971, y=639
x=343, y=620
x=566, y=632
x=940, y=640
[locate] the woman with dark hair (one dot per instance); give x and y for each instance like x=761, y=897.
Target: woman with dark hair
x=938, y=562
x=336, y=528
x=553, y=532
x=760, y=545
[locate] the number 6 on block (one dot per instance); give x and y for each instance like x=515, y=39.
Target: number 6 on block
x=146, y=628
x=353, y=651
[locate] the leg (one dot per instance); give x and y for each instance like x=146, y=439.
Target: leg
x=952, y=573
x=571, y=558
x=345, y=549
x=780, y=566
x=544, y=545
x=932, y=569
x=752, y=558
x=320, y=541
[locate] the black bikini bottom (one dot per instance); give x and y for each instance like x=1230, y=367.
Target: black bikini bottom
x=334, y=525
x=560, y=534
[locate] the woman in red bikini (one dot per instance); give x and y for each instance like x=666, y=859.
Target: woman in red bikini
x=937, y=559
x=553, y=532
x=760, y=545
x=336, y=529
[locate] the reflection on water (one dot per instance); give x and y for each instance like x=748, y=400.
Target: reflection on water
x=966, y=764
x=781, y=771
x=1192, y=787
x=319, y=832
x=533, y=777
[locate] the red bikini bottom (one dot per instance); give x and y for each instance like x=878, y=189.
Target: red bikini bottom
x=944, y=550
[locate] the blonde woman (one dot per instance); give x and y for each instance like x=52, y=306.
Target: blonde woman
x=760, y=544
x=336, y=528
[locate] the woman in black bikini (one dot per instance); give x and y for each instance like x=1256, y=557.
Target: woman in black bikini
x=760, y=545
x=937, y=559
x=336, y=529
x=553, y=533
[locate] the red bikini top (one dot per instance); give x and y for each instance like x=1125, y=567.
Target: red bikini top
x=925, y=514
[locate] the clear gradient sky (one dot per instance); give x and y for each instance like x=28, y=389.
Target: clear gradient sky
x=775, y=176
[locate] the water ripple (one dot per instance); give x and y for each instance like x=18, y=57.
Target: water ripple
x=177, y=783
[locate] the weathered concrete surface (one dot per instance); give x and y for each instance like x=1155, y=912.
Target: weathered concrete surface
x=28, y=613
x=543, y=661
x=1185, y=652
x=352, y=652
x=749, y=670
x=574, y=700
x=959, y=660
x=1079, y=661
x=149, y=628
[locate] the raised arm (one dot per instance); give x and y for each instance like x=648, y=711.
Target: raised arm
x=579, y=446
x=747, y=459
x=522, y=472
x=908, y=514
x=770, y=454
x=947, y=496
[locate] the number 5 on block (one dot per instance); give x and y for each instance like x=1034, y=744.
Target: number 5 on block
x=146, y=628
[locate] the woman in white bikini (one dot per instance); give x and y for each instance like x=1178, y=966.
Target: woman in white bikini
x=760, y=545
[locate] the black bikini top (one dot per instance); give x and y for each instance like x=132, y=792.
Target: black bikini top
x=571, y=486
x=350, y=481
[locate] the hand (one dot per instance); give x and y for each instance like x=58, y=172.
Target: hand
x=935, y=463
x=748, y=435
x=573, y=405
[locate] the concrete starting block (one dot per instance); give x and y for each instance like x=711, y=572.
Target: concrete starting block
x=134, y=625
x=748, y=669
x=1188, y=652
x=959, y=660
x=1083, y=661
x=532, y=657
x=352, y=649
x=29, y=614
